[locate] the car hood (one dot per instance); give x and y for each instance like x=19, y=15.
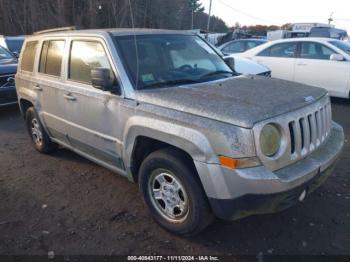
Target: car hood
x=241, y=101
x=8, y=66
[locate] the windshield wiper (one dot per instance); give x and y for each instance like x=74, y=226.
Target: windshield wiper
x=171, y=83
x=219, y=72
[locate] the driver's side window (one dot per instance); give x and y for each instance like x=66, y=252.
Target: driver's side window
x=84, y=56
x=311, y=50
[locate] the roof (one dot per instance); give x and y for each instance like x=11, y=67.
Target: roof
x=305, y=39
x=113, y=31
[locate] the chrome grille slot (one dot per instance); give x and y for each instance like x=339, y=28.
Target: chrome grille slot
x=309, y=131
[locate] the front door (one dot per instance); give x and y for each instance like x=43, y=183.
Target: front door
x=92, y=114
x=314, y=67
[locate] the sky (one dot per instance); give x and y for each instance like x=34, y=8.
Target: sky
x=267, y=12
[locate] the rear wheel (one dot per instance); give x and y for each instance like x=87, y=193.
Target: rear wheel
x=173, y=193
x=39, y=137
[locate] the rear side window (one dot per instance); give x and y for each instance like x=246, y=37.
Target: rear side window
x=28, y=56
x=236, y=47
x=285, y=50
x=265, y=52
x=51, y=57
x=84, y=56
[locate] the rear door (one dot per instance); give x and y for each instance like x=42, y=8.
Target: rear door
x=314, y=67
x=50, y=86
x=280, y=58
x=92, y=114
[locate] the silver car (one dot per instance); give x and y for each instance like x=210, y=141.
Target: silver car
x=163, y=109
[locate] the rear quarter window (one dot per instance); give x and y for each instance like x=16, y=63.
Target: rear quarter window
x=28, y=56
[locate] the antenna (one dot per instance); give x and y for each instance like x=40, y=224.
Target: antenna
x=330, y=19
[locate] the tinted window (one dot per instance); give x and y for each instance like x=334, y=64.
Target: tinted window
x=341, y=45
x=280, y=50
x=28, y=56
x=236, y=47
x=315, y=51
x=252, y=44
x=85, y=56
x=265, y=52
x=51, y=57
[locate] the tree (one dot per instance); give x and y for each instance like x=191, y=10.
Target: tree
x=195, y=6
x=25, y=17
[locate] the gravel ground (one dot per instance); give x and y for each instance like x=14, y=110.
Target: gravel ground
x=69, y=205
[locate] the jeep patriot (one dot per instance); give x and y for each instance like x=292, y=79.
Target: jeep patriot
x=163, y=109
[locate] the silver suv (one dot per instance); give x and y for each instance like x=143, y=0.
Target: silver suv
x=163, y=109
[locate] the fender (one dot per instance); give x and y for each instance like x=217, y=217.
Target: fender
x=191, y=141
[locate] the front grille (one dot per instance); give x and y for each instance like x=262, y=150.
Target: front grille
x=7, y=80
x=309, y=131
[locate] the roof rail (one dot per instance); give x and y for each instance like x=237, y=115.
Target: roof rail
x=55, y=30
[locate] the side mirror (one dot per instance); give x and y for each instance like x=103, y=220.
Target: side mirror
x=16, y=54
x=336, y=57
x=101, y=79
x=230, y=61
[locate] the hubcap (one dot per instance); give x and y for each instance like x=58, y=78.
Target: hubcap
x=36, y=132
x=168, y=196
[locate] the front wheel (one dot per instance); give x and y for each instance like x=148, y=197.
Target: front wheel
x=173, y=193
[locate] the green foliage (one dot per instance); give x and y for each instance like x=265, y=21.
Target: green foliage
x=196, y=6
x=26, y=17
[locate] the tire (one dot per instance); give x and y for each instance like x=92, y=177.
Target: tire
x=39, y=137
x=167, y=179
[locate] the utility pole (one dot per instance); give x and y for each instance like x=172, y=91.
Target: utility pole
x=192, y=11
x=208, y=25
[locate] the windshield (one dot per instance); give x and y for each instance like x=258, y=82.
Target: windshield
x=165, y=60
x=341, y=45
x=4, y=54
x=14, y=45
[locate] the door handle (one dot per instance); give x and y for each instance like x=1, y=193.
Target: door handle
x=301, y=64
x=38, y=88
x=69, y=97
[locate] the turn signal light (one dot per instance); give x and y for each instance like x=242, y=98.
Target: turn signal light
x=228, y=162
x=240, y=163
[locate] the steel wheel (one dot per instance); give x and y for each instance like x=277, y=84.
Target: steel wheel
x=36, y=132
x=168, y=196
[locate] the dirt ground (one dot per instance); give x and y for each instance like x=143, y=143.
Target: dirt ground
x=69, y=205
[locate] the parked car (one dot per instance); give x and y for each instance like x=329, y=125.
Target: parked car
x=328, y=32
x=240, y=46
x=321, y=62
x=163, y=109
x=12, y=43
x=8, y=67
x=244, y=66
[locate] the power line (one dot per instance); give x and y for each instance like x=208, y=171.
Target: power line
x=244, y=13
x=342, y=19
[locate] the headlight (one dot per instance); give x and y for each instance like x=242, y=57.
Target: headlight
x=270, y=140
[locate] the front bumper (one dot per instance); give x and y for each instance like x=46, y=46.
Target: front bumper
x=238, y=193
x=8, y=95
